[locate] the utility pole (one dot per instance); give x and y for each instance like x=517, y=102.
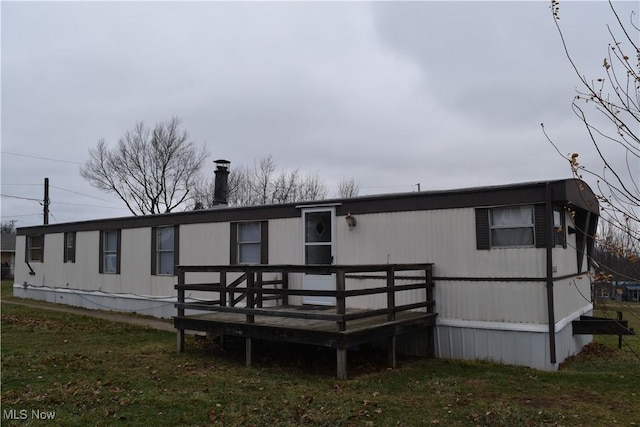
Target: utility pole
x=46, y=201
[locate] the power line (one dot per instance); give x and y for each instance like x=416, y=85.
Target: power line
x=20, y=216
x=21, y=198
x=89, y=206
x=82, y=194
x=41, y=158
x=53, y=216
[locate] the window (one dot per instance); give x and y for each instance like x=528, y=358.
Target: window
x=519, y=226
x=318, y=237
x=35, y=248
x=249, y=243
x=110, y=252
x=164, y=250
x=512, y=226
x=559, y=234
x=70, y=247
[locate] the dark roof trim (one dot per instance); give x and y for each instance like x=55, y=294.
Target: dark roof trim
x=569, y=191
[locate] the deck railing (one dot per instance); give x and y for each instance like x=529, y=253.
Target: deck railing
x=251, y=287
x=256, y=290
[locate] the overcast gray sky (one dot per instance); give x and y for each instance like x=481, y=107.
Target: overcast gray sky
x=445, y=94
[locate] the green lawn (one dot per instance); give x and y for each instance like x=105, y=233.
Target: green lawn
x=92, y=372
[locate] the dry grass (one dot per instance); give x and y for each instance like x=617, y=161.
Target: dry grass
x=93, y=372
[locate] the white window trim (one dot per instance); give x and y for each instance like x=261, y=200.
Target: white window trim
x=159, y=251
x=240, y=243
x=106, y=253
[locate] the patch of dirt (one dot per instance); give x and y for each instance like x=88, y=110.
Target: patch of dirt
x=298, y=357
x=591, y=351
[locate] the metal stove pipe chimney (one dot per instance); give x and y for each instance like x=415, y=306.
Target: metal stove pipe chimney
x=221, y=184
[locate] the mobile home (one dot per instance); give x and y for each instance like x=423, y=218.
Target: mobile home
x=510, y=263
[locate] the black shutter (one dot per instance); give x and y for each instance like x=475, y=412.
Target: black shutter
x=119, y=234
x=73, y=249
x=483, y=232
x=233, y=244
x=176, y=247
x=27, y=244
x=542, y=226
x=65, y=257
x=264, y=242
x=101, y=252
x=154, y=254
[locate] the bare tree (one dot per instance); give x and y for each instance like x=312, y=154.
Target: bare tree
x=348, y=188
x=608, y=106
x=8, y=227
x=262, y=183
x=151, y=170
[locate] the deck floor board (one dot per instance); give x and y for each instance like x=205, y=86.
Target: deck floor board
x=308, y=324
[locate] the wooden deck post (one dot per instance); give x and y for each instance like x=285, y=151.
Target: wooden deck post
x=391, y=351
x=341, y=359
x=179, y=331
x=391, y=316
x=391, y=295
x=285, y=285
x=341, y=304
x=258, y=283
x=250, y=295
x=223, y=285
x=250, y=317
x=247, y=349
x=431, y=342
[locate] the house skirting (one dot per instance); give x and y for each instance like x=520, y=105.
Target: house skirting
x=162, y=307
x=509, y=343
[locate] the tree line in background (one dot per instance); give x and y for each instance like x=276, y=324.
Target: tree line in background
x=608, y=106
x=263, y=184
x=159, y=170
x=8, y=227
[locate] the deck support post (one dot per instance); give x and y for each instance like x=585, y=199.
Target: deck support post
x=223, y=285
x=341, y=305
x=247, y=349
x=180, y=340
x=341, y=359
x=181, y=297
x=285, y=285
x=431, y=338
x=391, y=351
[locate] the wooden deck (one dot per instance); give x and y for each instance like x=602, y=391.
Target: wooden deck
x=336, y=327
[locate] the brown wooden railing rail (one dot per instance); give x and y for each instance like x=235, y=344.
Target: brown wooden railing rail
x=251, y=287
x=255, y=290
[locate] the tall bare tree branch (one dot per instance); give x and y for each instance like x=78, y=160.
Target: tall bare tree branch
x=150, y=170
x=615, y=97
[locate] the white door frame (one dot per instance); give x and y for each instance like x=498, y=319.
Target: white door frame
x=319, y=281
